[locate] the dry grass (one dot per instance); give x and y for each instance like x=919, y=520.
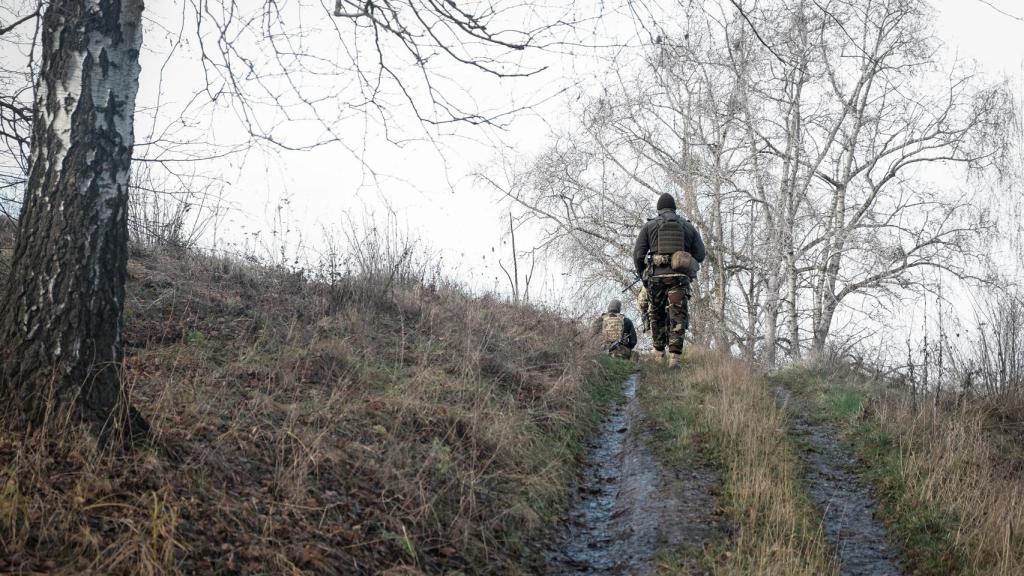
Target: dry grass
x=735, y=420
x=304, y=427
x=955, y=461
x=951, y=477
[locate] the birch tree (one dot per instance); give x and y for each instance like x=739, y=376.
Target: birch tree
x=61, y=314
x=60, y=324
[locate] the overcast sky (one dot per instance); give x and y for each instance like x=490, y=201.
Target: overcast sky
x=429, y=185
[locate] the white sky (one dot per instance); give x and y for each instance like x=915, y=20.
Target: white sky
x=430, y=187
x=441, y=203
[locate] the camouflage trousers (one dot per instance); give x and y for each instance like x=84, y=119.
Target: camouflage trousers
x=670, y=312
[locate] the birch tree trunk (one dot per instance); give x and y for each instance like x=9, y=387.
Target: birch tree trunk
x=61, y=318
x=771, y=317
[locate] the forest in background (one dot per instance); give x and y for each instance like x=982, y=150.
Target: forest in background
x=857, y=184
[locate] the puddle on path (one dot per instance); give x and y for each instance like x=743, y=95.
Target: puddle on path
x=628, y=506
x=846, y=503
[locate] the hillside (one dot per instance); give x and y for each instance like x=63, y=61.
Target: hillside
x=391, y=423
x=355, y=427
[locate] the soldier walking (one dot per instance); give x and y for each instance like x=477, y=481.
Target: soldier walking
x=667, y=255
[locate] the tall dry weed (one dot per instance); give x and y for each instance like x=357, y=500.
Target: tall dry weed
x=951, y=459
x=778, y=530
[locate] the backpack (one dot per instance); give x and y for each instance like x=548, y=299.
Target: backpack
x=612, y=326
x=671, y=249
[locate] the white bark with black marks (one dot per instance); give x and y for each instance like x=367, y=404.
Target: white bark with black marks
x=61, y=316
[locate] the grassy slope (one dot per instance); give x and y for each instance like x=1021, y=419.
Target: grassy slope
x=304, y=428
x=718, y=410
x=949, y=479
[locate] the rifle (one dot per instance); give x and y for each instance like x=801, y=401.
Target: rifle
x=616, y=345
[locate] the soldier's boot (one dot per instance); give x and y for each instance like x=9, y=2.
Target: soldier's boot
x=673, y=359
x=659, y=356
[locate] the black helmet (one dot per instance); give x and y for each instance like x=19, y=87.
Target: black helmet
x=666, y=201
x=615, y=306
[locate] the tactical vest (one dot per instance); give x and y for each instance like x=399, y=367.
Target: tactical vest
x=668, y=235
x=612, y=326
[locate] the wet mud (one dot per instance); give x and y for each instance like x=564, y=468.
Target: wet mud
x=847, y=505
x=628, y=506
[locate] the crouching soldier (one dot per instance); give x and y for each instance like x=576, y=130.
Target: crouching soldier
x=617, y=332
x=668, y=253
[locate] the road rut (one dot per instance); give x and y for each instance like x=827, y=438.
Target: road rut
x=628, y=506
x=847, y=505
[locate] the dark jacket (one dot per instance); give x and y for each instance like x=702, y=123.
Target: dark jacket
x=648, y=239
x=628, y=330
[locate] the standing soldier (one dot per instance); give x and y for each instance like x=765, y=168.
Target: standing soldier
x=617, y=332
x=667, y=255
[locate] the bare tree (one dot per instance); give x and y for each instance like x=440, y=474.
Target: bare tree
x=878, y=220
x=811, y=142
x=19, y=32
x=61, y=316
x=518, y=283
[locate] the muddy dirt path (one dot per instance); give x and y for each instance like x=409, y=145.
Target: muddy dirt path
x=847, y=504
x=628, y=506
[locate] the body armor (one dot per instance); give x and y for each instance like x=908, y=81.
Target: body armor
x=612, y=326
x=669, y=236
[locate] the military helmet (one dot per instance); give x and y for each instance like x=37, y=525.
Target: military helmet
x=615, y=306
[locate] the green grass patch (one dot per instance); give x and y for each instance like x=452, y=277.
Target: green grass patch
x=844, y=404
x=672, y=403
x=925, y=534
x=604, y=385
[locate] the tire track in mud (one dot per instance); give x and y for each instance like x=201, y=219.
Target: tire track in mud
x=628, y=506
x=847, y=505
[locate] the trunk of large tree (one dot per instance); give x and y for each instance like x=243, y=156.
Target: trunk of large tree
x=792, y=295
x=60, y=322
x=771, y=319
x=822, y=329
x=719, y=256
x=750, y=338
